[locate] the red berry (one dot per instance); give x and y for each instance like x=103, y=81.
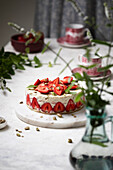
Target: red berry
x=70, y=106
x=21, y=39
x=67, y=79
x=64, y=86
x=37, y=82
x=35, y=104
x=74, y=87
x=59, y=107
x=45, y=80
x=42, y=88
x=78, y=104
x=30, y=36
x=46, y=107
x=59, y=89
x=50, y=87
x=56, y=81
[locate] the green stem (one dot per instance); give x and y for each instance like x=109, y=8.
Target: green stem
x=92, y=130
x=59, y=56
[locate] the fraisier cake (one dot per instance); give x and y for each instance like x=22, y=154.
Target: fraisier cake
x=50, y=97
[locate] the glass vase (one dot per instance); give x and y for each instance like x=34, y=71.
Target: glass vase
x=95, y=150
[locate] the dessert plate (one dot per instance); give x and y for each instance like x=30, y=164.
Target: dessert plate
x=76, y=119
x=95, y=78
x=62, y=42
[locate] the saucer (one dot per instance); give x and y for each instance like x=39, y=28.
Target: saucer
x=95, y=78
x=62, y=42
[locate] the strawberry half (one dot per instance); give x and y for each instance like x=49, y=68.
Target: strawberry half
x=45, y=80
x=42, y=88
x=46, y=107
x=78, y=104
x=28, y=100
x=64, y=86
x=37, y=82
x=67, y=80
x=59, y=89
x=35, y=104
x=59, y=107
x=51, y=86
x=74, y=87
x=70, y=106
x=56, y=81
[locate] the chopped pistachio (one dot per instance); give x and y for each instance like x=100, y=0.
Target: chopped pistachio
x=54, y=118
x=41, y=116
x=59, y=115
x=27, y=128
x=18, y=134
x=37, y=129
x=70, y=140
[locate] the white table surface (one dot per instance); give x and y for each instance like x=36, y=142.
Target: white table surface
x=47, y=149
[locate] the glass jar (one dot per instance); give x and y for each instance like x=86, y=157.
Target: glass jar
x=95, y=150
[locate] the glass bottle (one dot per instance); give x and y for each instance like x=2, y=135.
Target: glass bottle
x=95, y=150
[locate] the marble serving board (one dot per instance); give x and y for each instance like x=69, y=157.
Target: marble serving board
x=72, y=120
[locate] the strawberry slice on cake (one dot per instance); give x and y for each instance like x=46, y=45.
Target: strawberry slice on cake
x=46, y=107
x=70, y=106
x=59, y=107
x=35, y=104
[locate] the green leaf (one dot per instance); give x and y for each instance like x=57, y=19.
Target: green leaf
x=46, y=47
x=88, y=67
x=105, y=68
x=37, y=61
x=20, y=66
x=7, y=88
x=11, y=71
x=78, y=97
x=24, y=57
x=31, y=86
x=6, y=76
x=99, y=143
x=37, y=37
x=28, y=41
x=70, y=86
x=14, y=59
x=78, y=76
x=102, y=42
x=88, y=81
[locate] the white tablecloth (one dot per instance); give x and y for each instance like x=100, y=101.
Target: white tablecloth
x=47, y=149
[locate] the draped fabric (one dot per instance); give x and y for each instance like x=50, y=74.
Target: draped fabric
x=52, y=17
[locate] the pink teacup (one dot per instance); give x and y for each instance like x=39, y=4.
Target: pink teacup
x=75, y=33
x=93, y=60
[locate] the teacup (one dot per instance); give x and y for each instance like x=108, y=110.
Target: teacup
x=93, y=60
x=75, y=33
